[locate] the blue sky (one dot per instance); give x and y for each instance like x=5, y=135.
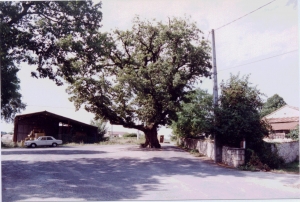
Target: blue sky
x=267, y=32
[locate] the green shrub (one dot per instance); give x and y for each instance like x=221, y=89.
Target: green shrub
x=268, y=159
x=294, y=134
x=130, y=135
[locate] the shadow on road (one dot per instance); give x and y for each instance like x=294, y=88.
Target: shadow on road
x=101, y=179
x=49, y=151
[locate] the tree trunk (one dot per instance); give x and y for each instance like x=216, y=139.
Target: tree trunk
x=151, y=137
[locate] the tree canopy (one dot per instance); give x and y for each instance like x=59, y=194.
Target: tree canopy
x=29, y=32
x=196, y=117
x=237, y=117
x=273, y=103
x=137, y=78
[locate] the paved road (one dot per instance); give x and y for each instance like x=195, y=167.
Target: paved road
x=129, y=173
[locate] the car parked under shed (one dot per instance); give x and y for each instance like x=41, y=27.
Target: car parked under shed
x=63, y=128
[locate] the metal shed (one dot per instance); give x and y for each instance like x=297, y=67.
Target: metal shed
x=51, y=124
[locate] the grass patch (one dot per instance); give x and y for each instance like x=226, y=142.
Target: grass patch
x=194, y=152
x=123, y=141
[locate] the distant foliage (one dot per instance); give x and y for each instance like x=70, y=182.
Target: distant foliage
x=130, y=135
x=294, y=134
x=102, y=129
x=273, y=103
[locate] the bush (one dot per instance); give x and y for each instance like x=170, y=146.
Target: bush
x=294, y=134
x=264, y=158
x=130, y=135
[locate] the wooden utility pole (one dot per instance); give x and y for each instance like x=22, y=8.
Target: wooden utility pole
x=215, y=97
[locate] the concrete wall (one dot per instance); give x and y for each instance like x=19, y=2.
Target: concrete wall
x=289, y=151
x=233, y=156
x=230, y=156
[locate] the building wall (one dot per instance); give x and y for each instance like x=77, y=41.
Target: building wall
x=25, y=126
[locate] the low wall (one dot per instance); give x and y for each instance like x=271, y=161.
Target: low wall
x=206, y=148
x=233, y=156
x=289, y=151
x=230, y=156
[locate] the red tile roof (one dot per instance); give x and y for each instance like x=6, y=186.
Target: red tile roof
x=284, y=126
x=283, y=120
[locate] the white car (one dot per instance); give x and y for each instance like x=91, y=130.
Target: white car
x=43, y=141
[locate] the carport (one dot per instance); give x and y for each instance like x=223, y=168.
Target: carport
x=51, y=124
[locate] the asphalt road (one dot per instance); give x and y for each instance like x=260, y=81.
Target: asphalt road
x=97, y=173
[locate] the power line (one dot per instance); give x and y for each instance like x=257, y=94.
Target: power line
x=245, y=15
x=208, y=35
x=259, y=60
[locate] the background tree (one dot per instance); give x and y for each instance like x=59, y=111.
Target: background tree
x=195, y=118
x=294, y=134
x=273, y=103
x=11, y=102
x=141, y=75
x=102, y=129
x=237, y=117
x=29, y=32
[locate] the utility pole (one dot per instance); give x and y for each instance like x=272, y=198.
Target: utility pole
x=215, y=95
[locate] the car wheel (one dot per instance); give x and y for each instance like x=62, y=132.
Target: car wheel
x=33, y=145
x=54, y=145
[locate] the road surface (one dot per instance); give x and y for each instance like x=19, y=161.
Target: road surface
x=118, y=172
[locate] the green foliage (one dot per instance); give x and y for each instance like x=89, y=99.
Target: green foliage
x=237, y=117
x=294, y=134
x=173, y=138
x=264, y=157
x=139, y=75
x=102, y=129
x=130, y=135
x=11, y=102
x=195, y=118
x=273, y=103
x=30, y=32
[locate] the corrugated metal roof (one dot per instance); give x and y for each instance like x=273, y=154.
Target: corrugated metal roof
x=46, y=113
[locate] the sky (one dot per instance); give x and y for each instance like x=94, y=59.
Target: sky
x=263, y=44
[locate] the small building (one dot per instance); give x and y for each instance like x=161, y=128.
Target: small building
x=283, y=120
x=47, y=123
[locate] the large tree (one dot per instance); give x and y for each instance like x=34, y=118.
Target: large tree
x=196, y=117
x=237, y=117
x=273, y=103
x=29, y=32
x=137, y=78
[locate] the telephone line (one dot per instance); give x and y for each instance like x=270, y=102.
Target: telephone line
x=245, y=15
x=258, y=60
